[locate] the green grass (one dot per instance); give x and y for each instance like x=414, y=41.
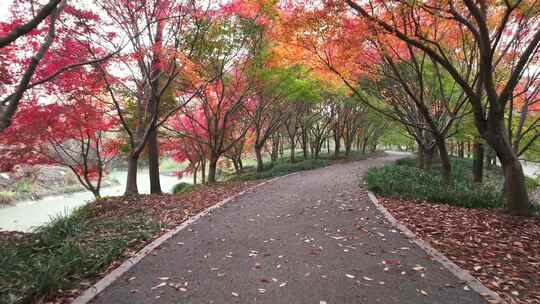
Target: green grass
x=70, y=249
x=407, y=181
x=183, y=187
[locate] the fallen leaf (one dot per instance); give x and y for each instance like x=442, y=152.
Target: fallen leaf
x=159, y=285
x=367, y=278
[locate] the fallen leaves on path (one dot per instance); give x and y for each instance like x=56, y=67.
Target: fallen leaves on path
x=168, y=209
x=501, y=250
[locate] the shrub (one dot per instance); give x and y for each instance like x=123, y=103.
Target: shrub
x=183, y=187
x=414, y=183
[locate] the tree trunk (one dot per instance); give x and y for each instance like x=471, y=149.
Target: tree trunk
x=153, y=162
x=478, y=162
x=96, y=194
x=337, y=144
x=275, y=149
x=305, y=143
x=328, y=145
x=461, y=149
x=131, y=183
x=420, y=163
x=517, y=199
x=212, y=170
x=364, y=145
x=236, y=166
x=258, y=154
x=203, y=171
x=293, y=148
x=428, y=158
x=446, y=166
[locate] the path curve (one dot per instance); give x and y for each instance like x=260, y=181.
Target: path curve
x=311, y=237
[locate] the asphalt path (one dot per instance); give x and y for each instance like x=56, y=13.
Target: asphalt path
x=311, y=237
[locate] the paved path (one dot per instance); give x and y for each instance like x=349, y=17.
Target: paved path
x=312, y=237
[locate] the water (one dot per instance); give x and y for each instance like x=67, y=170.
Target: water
x=27, y=214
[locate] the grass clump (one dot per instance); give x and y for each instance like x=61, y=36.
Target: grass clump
x=70, y=249
x=183, y=187
x=407, y=181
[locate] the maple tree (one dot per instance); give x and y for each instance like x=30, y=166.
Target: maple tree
x=75, y=133
x=215, y=122
x=40, y=44
x=156, y=62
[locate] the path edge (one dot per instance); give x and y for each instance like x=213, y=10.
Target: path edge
x=460, y=273
x=90, y=293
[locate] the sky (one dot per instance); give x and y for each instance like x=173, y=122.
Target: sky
x=4, y=5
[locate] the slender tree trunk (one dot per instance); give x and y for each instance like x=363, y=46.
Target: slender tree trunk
x=240, y=163
x=195, y=175
x=364, y=145
x=293, y=148
x=292, y=158
x=337, y=143
x=304, y=142
x=96, y=194
x=236, y=166
x=328, y=145
x=478, y=162
x=258, y=155
x=461, y=149
x=348, y=147
x=153, y=162
x=131, y=183
x=203, y=171
x=446, y=166
x=212, y=170
x=275, y=149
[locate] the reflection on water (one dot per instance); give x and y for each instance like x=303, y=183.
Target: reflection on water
x=27, y=214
